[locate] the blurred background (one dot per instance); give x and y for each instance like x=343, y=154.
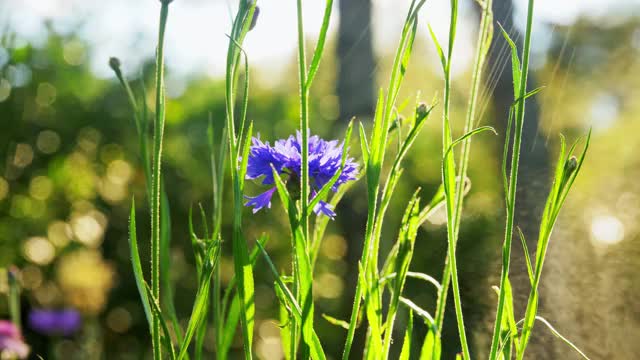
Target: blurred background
x=69, y=161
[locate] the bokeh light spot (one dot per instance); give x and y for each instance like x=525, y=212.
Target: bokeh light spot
x=39, y=250
x=46, y=94
x=119, y=320
x=4, y=188
x=334, y=247
x=607, y=230
x=74, y=52
x=88, y=229
x=328, y=286
x=5, y=89
x=59, y=233
x=23, y=155
x=48, y=141
x=40, y=187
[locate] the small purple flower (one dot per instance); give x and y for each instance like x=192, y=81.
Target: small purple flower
x=55, y=322
x=325, y=158
x=11, y=343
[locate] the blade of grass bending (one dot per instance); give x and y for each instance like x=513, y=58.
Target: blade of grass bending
x=314, y=342
x=424, y=314
x=405, y=353
x=137, y=266
x=166, y=336
x=413, y=275
x=561, y=337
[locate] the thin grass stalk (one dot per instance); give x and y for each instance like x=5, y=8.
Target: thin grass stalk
x=157, y=174
x=449, y=180
x=513, y=182
x=484, y=41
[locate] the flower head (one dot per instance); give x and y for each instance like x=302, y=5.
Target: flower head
x=55, y=322
x=325, y=159
x=11, y=343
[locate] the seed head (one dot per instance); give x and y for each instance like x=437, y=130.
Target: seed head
x=422, y=111
x=571, y=165
x=114, y=63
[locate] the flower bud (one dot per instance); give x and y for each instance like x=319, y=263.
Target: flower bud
x=254, y=19
x=570, y=166
x=114, y=63
x=422, y=111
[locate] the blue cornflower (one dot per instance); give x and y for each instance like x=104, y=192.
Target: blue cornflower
x=325, y=158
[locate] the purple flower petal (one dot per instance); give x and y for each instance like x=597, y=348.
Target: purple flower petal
x=260, y=201
x=324, y=208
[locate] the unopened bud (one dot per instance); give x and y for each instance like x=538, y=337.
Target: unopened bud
x=114, y=63
x=422, y=111
x=254, y=19
x=571, y=165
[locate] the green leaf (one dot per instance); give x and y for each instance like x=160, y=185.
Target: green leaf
x=406, y=345
x=317, y=54
x=406, y=242
x=443, y=60
x=363, y=143
x=515, y=61
x=201, y=303
x=526, y=255
x=337, y=322
x=431, y=347
x=137, y=266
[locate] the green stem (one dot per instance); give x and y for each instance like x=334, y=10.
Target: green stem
x=513, y=183
x=155, y=186
x=304, y=176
